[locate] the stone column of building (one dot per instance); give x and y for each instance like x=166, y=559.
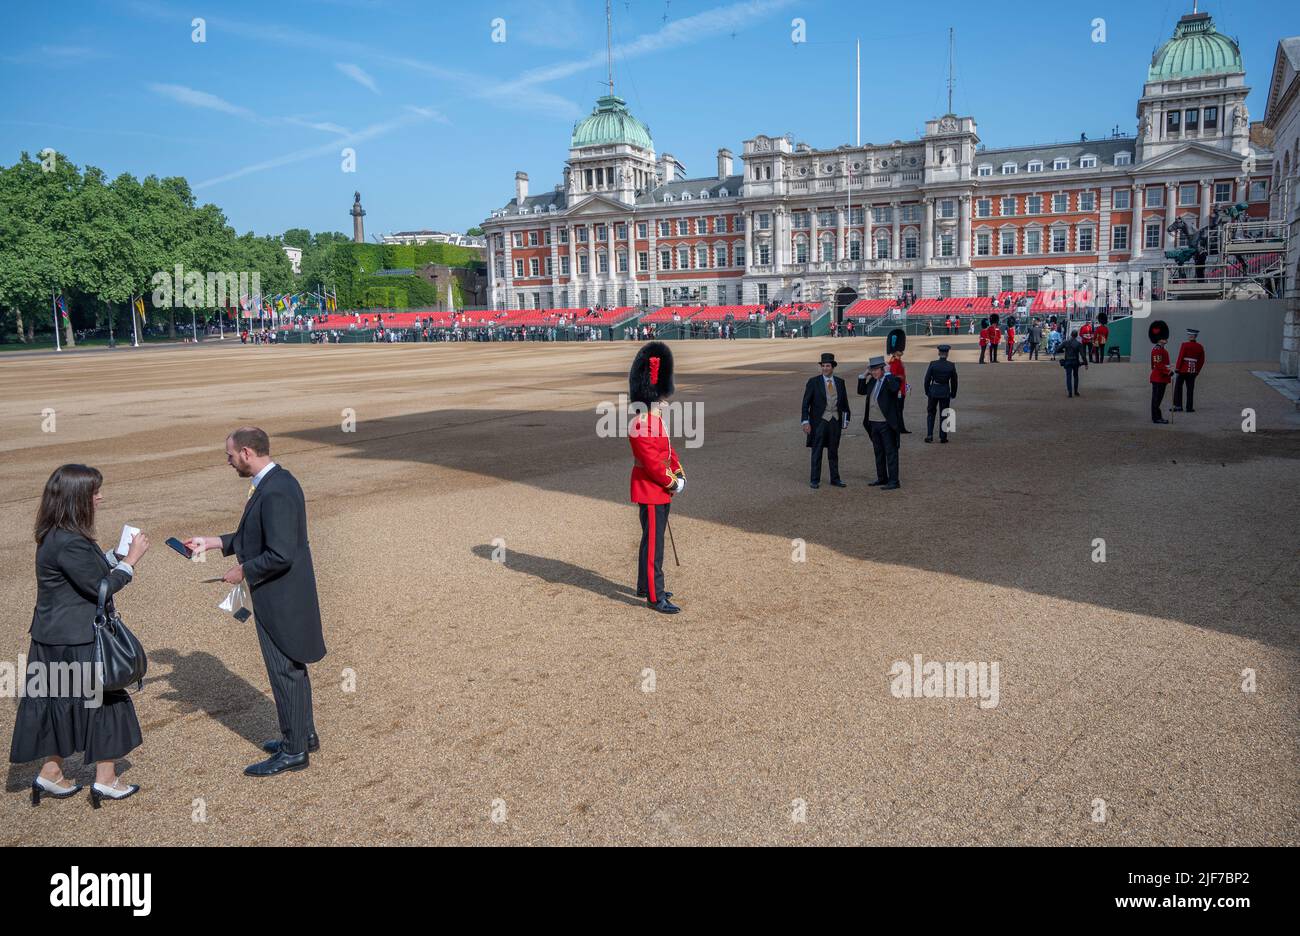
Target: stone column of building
x=508, y=238
x=573, y=267
x=927, y=233
x=963, y=230
x=1137, y=227
x=1171, y=212
x=1207, y=192
x=493, y=283
x=1104, y=201
x=814, y=251
x=555, y=265
x=652, y=232
x=868, y=245
x=593, y=274
x=749, y=239
x=895, y=212
x=841, y=234
x=611, y=250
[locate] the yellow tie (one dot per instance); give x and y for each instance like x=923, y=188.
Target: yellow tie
x=251, y=488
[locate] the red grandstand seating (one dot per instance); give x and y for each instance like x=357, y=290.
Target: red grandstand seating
x=666, y=314
x=797, y=312
x=870, y=308
x=1057, y=300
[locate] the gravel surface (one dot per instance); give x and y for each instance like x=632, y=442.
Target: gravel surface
x=509, y=702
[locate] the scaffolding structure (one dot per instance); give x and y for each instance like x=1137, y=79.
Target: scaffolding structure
x=1241, y=260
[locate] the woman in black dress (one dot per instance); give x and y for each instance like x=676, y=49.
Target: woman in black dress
x=63, y=711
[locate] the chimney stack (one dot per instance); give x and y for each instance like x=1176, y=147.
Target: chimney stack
x=724, y=163
x=521, y=188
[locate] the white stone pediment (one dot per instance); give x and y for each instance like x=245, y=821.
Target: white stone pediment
x=1192, y=157
x=596, y=205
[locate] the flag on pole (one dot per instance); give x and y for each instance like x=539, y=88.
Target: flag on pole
x=139, y=307
x=62, y=307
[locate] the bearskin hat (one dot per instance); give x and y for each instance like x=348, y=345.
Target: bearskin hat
x=895, y=341
x=1103, y=318
x=1157, y=331
x=984, y=323
x=993, y=319
x=651, y=377
x=1011, y=321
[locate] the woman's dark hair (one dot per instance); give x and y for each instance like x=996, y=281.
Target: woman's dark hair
x=69, y=502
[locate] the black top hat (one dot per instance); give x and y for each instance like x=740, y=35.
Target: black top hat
x=828, y=358
x=1158, y=330
x=651, y=377
x=896, y=341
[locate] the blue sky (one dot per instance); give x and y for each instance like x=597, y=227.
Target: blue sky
x=441, y=116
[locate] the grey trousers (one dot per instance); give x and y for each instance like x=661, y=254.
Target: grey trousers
x=291, y=689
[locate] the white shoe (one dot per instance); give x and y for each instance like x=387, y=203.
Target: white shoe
x=102, y=791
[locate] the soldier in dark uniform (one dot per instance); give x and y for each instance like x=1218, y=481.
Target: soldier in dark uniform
x=940, y=390
x=825, y=415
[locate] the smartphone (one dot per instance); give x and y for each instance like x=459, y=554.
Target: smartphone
x=177, y=545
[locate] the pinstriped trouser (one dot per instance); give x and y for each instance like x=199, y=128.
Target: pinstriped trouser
x=291, y=689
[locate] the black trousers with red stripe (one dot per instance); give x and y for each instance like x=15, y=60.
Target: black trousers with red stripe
x=650, y=558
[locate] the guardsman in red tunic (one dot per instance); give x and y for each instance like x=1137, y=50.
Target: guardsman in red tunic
x=895, y=344
x=995, y=338
x=984, y=338
x=1011, y=337
x=1100, y=336
x=1085, y=337
x=1160, y=369
x=656, y=472
x=1191, y=361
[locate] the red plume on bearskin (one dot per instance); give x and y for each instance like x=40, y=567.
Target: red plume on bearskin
x=651, y=377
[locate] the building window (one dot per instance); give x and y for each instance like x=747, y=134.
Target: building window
x=1087, y=162
x=532, y=239
x=1008, y=206
x=882, y=215
x=602, y=262
x=518, y=238
x=1119, y=237
x=683, y=258
x=519, y=269
x=600, y=232
x=1008, y=243
x=983, y=245
x=665, y=228
x=1035, y=165
x=564, y=235
x=910, y=213
x=945, y=287
x=739, y=253
x=582, y=235
x=1173, y=121
x=856, y=215
x=1259, y=190
x=855, y=247
x=1152, y=236
x=908, y=285
x=1031, y=282
x=1008, y=283
x=642, y=261
x=534, y=268
x=701, y=226
x=982, y=286
x=665, y=259
x=825, y=219
x=1060, y=163
x=1211, y=118
x=882, y=248
x=827, y=250
x=945, y=245
x=1192, y=119
x=762, y=293
x=1085, y=240
x=1155, y=196
x=764, y=221
x=947, y=208
x=1087, y=201
x=642, y=230
x=1033, y=242
x=720, y=224
x=1123, y=159
x=564, y=266
x=801, y=251
x=1059, y=244
x=764, y=253
x=1009, y=168
x=984, y=208
x=1222, y=192
x=1034, y=204
x=584, y=264
x=799, y=220
x=683, y=227
x=1121, y=200
x=910, y=246
x=985, y=170
x=720, y=255
x=1187, y=194
x=644, y=296
x=622, y=262
x=1060, y=203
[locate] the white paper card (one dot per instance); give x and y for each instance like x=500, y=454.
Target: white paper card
x=124, y=544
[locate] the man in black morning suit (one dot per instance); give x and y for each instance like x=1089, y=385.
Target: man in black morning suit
x=882, y=421
x=275, y=560
x=825, y=415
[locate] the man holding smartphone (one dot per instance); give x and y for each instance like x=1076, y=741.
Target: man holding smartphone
x=275, y=560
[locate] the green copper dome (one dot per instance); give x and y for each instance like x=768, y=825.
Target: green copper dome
x=1196, y=49
x=611, y=122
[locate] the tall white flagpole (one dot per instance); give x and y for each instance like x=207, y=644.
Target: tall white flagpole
x=55, y=303
x=858, y=122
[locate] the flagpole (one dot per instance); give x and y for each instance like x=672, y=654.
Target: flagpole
x=57, y=345
x=135, y=324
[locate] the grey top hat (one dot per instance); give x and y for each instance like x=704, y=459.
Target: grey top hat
x=877, y=361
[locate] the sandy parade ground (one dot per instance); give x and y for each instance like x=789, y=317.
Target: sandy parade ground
x=536, y=700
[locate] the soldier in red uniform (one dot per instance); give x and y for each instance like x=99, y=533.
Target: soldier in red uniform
x=1191, y=360
x=895, y=344
x=984, y=338
x=1100, y=336
x=1160, y=369
x=1085, y=338
x=1011, y=337
x=656, y=472
x=995, y=338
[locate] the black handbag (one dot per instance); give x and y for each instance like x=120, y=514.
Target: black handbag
x=119, y=658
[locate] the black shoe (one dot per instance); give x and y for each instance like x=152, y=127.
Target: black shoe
x=642, y=594
x=876, y=483
x=814, y=484
x=943, y=440
x=1161, y=422
x=904, y=431
x=891, y=487
x=1191, y=410
x=838, y=483
x=1175, y=409
x=929, y=438
x=278, y=763
x=99, y=793
x=1069, y=396
x=42, y=787
x=273, y=747
x=663, y=606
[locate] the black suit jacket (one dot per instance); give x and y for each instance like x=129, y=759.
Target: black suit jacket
x=68, y=570
x=888, y=400
x=814, y=399
x=943, y=374
x=271, y=545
